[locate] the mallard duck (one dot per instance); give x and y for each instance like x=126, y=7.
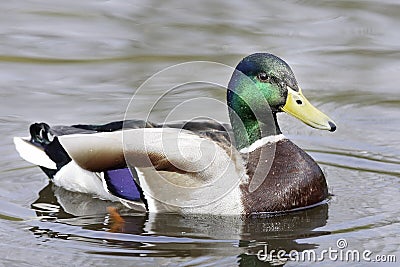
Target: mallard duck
x=202, y=166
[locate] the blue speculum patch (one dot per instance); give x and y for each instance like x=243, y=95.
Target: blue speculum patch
x=120, y=182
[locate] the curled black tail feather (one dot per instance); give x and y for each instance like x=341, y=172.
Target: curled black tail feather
x=42, y=136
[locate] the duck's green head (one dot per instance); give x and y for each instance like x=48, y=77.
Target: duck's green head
x=261, y=86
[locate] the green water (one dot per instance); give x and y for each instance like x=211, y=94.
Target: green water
x=66, y=62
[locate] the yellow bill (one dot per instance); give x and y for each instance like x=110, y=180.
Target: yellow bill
x=298, y=106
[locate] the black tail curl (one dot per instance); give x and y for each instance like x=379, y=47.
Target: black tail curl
x=43, y=136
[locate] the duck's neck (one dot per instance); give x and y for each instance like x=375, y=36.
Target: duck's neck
x=248, y=128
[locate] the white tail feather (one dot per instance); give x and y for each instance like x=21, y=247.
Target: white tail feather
x=33, y=154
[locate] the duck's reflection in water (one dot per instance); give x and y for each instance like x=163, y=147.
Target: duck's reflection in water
x=192, y=236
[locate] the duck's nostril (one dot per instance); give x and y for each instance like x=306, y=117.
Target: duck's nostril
x=333, y=126
x=299, y=102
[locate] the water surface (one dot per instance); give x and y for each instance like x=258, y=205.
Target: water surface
x=80, y=62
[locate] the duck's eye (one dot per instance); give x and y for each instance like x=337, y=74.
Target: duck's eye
x=262, y=76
